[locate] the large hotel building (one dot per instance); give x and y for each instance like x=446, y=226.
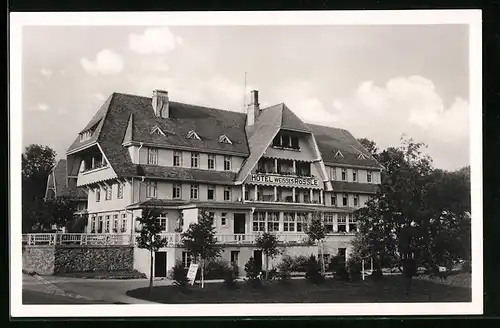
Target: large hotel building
x=263, y=170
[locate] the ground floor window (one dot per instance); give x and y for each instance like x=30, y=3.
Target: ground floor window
x=301, y=222
x=342, y=222
x=162, y=222
x=92, y=224
x=328, y=222
x=186, y=259
x=273, y=221
x=289, y=221
x=353, y=226
x=124, y=223
x=223, y=219
x=259, y=222
x=107, y=224
x=115, y=223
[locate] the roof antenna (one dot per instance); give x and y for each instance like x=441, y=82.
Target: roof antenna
x=245, y=94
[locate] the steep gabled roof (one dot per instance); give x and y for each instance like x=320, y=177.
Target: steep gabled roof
x=62, y=189
x=331, y=140
x=290, y=121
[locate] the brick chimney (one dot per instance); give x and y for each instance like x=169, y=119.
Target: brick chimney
x=160, y=103
x=253, y=109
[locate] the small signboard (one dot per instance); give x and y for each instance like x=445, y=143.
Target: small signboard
x=191, y=275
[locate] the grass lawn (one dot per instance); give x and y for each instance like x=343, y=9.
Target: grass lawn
x=391, y=289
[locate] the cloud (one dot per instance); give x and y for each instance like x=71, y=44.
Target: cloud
x=409, y=105
x=42, y=107
x=154, y=41
x=47, y=73
x=299, y=96
x=106, y=63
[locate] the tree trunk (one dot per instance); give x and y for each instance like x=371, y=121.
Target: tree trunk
x=267, y=267
x=322, y=257
x=151, y=273
x=202, y=273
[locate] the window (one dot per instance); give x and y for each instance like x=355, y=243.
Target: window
x=194, y=159
x=194, y=191
x=211, y=161
x=334, y=200
x=98, y=195
x=356, y=200
x=92, y=224
x=289, y=221
x=176, y=191
x=341, y=226
x=223, y=219
x=99, y=224
x=344, y=174
x=119, y=193
x=162, y=222
x=107, y=224
x=235, y=255
x=108, y=192
x=227, y=193
x=369, y=177
x=156, y=129
x=177, y=158
x=339, y=154
x=344, y=200
x=328, y=222
x=247, y=194
x=151, y=189
x=224, y=139
x=186, y=259
x=193, y=135
x=211, y=192
x=333, y=173
x=353, y=226
x=259, y=222
x=354, y=175
x=295, y=142
x=124, y=223
x=227, y=163
x=361, y=156
x=152, y=156
x=115, y=223
x=301, y=222
x=273, y=221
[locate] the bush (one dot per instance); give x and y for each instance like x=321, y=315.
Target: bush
x=313, y=271
x=252, y=272
x=299, y=263
x=216, y=269
x=338, y=267
x=285, y=268
x=231, y=275
x=354, y=269
x=178, y=275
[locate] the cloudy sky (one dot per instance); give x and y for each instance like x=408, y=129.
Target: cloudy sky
x=376, y=81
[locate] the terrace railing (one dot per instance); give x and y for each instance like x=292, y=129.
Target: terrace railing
x=173, y=239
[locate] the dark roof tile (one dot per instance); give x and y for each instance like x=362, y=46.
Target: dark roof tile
x=185, y=174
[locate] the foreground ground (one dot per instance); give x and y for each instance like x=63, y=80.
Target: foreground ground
x=34, y=297
x=391, y=289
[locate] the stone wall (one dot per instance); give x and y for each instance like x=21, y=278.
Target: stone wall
x=39, y=259
x=48, y=260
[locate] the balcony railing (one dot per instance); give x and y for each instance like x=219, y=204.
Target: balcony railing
x=173, y=239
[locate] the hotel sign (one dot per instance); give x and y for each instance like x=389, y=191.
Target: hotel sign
x=282, y=181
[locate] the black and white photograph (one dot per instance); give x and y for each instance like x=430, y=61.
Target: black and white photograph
x=246, y=163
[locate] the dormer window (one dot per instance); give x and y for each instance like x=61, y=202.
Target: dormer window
x=286, y=140
x=339, y=154
x=193, y=135
x=224, y=139
x=84, y=136
x=157, y=130
x=362, y=157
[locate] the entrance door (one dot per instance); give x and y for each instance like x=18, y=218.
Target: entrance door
x=257, y=256
x=161, y=264
x=239, y=223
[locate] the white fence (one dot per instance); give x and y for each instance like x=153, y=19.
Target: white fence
x=173, y=239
